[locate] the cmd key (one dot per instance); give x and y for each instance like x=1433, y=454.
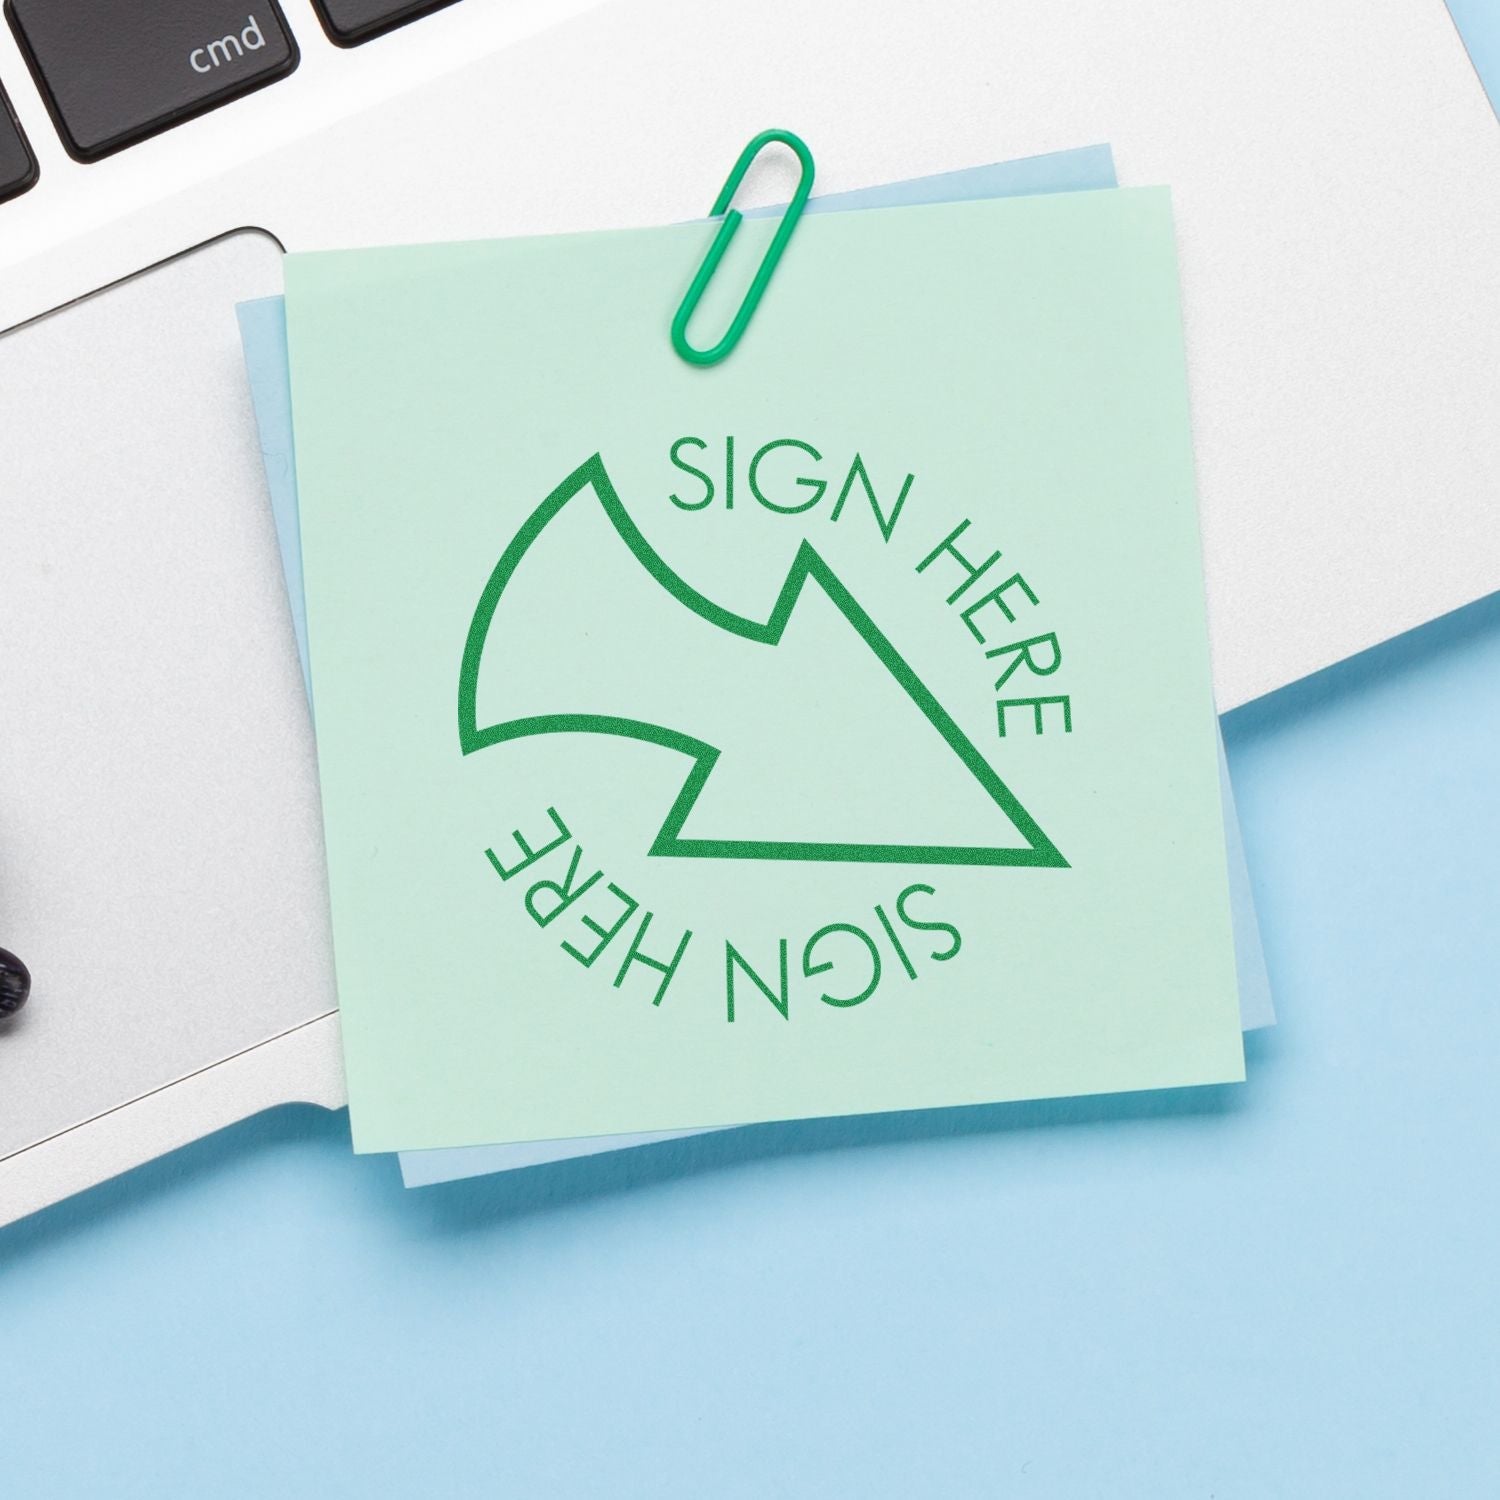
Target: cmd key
x=115, y=71
x=17, y=164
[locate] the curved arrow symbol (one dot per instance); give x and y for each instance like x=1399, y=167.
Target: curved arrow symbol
x=807, y=566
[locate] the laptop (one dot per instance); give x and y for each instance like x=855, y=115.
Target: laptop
x=1334, y=171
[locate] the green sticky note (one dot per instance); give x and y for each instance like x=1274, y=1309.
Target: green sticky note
x=826, y=731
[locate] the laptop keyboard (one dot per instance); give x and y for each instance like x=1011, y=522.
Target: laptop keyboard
x=350, y=22
x=17, y=164
x=113, y=72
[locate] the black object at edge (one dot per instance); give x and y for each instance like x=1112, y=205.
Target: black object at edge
x=15, y=985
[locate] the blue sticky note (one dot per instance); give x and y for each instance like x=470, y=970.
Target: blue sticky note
x=263, y=333
x=1478, y=23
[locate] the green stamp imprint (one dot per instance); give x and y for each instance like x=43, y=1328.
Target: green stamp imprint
x=590, y=484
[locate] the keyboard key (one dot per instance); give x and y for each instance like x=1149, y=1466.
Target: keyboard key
x=350, y=22
x=17, y=164
x=116, y=71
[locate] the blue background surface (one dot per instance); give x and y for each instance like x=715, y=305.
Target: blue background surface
x=1287, y=1288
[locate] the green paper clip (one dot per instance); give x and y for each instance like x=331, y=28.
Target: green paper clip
x=732, y=217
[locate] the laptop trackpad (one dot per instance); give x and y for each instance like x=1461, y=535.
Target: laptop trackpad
x=161, y=865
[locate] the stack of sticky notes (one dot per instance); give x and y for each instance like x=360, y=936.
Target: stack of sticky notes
x=825, y=731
